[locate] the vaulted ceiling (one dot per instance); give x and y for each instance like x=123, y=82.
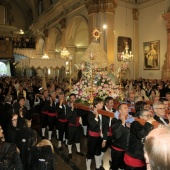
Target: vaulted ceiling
x=29, y=8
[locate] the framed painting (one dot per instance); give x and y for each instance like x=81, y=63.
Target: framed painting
x=121, y=43
x=151, y=55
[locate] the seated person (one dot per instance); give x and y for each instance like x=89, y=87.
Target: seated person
x=9, y=156
x=42, y=156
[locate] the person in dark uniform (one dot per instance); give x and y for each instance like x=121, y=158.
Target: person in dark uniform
x=44, y=104
x=134, y=156
x=52, y=113
x=62, y=120
x=120, y=136
x=96, y=132
x=74, y=126
x=107, y=123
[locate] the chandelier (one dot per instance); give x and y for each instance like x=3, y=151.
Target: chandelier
x=64, y=53
x=125, y=56
x=45, y=56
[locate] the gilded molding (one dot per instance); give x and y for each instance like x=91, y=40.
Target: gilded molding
x=96, y=6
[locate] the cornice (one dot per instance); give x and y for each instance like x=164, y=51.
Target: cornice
x=54, y=14
x=148, y=3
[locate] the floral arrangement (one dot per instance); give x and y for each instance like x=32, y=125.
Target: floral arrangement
x=102, y=87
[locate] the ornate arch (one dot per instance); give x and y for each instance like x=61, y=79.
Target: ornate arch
x=54, y=39
x=77, y=26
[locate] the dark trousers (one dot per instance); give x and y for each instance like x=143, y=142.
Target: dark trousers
x=51, y=122
x=117, y=159
x=93, y=146
x=74, y=134
x=44, y=120
x=63, y=128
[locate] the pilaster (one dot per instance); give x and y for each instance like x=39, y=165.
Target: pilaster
x=165, y=68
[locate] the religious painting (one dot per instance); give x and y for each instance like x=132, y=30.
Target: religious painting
x=151, y=55
x=121, y=43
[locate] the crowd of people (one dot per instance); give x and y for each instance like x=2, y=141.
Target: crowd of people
x=145, y=110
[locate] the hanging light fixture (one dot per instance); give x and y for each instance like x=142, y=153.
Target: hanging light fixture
x=64, y=53
x=45, y=56
x=125, y=56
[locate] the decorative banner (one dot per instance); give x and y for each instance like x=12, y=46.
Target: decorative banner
x=6, y=51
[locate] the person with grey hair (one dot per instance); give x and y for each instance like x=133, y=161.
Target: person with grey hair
x=157, y=149
x=159, y=110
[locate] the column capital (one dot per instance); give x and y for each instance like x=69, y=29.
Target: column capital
x=135, y=12
x=45, y=32
x=63, y=23
x=166, y=17
x=96, y=6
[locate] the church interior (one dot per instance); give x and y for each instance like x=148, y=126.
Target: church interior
x=56, y=38
x=34, y=28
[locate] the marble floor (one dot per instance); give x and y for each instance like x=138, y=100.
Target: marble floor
x=77, y=162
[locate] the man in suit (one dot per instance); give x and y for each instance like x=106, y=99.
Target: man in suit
x=159, y=110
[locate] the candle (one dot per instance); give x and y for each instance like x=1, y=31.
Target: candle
x=70, y=58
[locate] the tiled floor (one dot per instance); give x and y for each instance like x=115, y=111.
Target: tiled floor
x=77, y=162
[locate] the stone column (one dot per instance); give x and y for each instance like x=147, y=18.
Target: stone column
x=63, y=32
x=166, y=66
x=72, y=50
x=135, y=42
x=100, y=13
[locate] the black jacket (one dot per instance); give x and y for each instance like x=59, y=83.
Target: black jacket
x=120, y=134
x=73, y=115
x=9, y=157
x=137, y=133
x=159, y=121
x=61, y=111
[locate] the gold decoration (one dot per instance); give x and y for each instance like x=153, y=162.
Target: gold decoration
x=96, y=33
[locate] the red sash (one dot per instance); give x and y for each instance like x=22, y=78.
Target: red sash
x=52, y=114
x=94, y=134
x=133, y=162
x=118, y=149
x=77, y=122
x=63, y=120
